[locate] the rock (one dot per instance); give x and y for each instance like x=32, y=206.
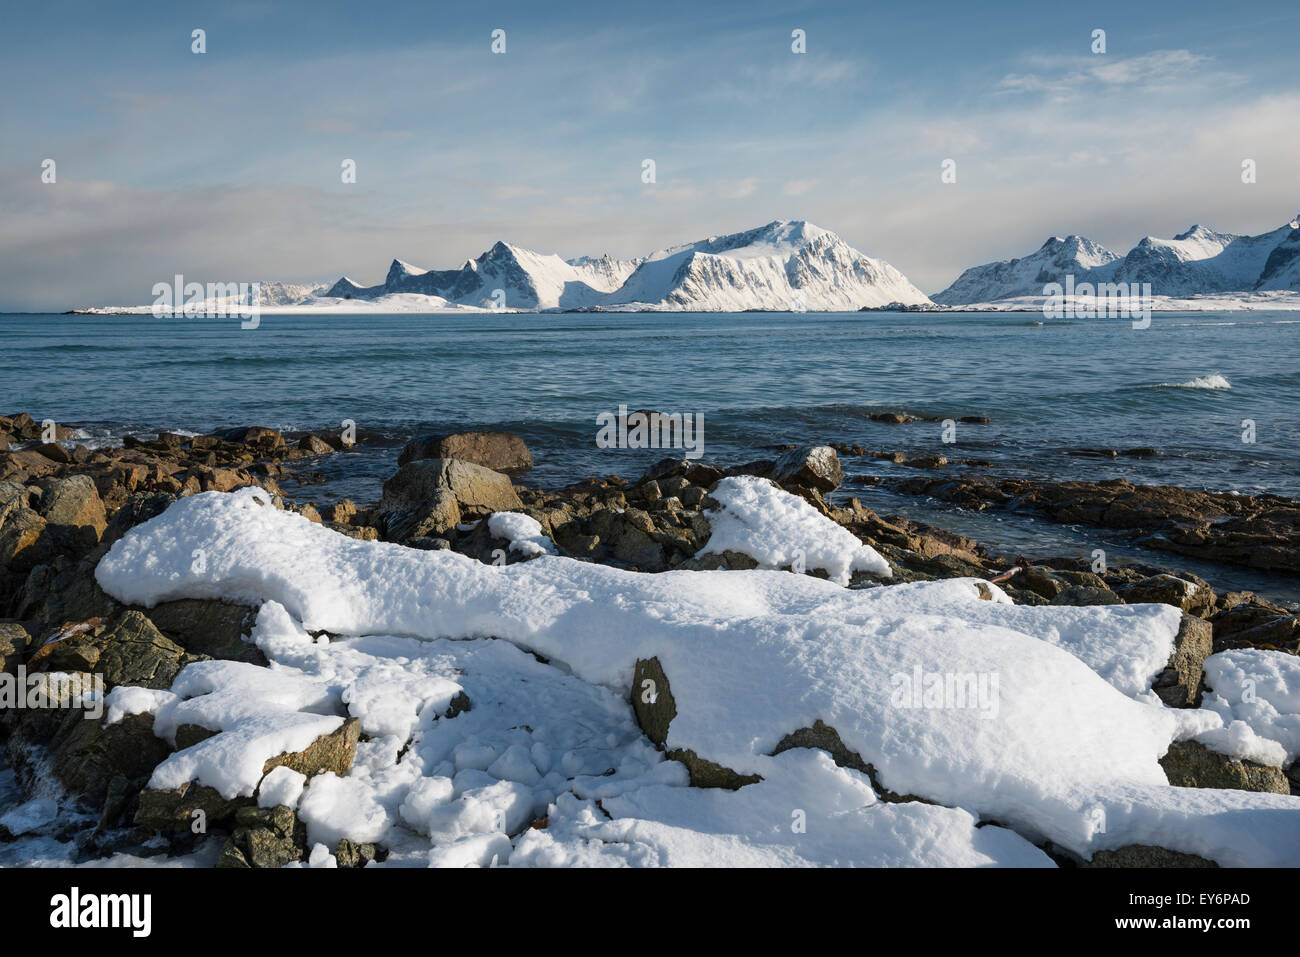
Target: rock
x=331, y=752
x=476, y=489
x=54, y=452
x=265, y=838
x=1084, y=595
x=1146, y=855
x=315, y=445
x=499, y=451
x=436, y=516
x=254, y=435
x=890, y=418
x=822, y=736
x=1040, y=581
x=207, y=626
x=809, y=466
x=1190, y=764
x=349, y=854
x=652, y=700
x=87, y=754
x=130, y=652
x=1187, y=596
x=180, y=809
x=928, y=462
x=1256, y=625
x=23, y=541
x=1179, y=685
x=74, y=511
x=14, y=641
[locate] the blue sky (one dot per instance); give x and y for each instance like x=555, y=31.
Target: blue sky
x=225, y=165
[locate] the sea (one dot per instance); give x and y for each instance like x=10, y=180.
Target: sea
x=1217, y=394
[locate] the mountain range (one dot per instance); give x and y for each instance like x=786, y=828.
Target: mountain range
x=780, y=266
x=796, y=266
x=1198, y=262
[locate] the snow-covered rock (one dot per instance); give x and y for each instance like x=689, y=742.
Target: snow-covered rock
x=1037, y=718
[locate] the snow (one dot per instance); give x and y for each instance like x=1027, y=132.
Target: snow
x=283, y=786
x=782, y=266
x=777, y=529
x=522, y=531
x=1260, y=689
x=1198, y=266
x=1042, y=720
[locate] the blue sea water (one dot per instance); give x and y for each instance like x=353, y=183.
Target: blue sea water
x=759, y=379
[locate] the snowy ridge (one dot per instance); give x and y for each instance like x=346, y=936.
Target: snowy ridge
x=1061, y=743
x=1052, y=262
x=781, y=266
x=1198, y=262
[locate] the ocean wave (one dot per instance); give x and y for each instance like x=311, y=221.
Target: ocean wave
x=1215, y=381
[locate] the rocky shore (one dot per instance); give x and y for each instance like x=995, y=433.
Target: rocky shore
x=62, y=509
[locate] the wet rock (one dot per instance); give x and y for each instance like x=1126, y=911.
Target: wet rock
x=928, y=462
x=256, y=435
x=315, y=445
x=1190, y=764
x=499, y=451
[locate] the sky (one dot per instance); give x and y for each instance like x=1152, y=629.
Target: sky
x=227, y=165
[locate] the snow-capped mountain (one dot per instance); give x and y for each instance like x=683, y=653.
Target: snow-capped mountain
x=780, y=266
x=1054, y=260
x=1199, y=261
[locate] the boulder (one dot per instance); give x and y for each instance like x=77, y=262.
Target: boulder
x=74, y=511
x=476, y=490
x=1190, y=764
x=500, y=451
x=809, y=466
